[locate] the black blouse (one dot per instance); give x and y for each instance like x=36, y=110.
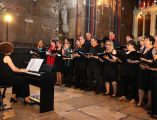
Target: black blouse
x=5, y=70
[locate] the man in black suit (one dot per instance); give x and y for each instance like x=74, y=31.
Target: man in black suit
x=94, y=66
x=112, y=36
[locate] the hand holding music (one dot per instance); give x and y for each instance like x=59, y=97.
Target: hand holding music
x=92, y=56
x=144, y=66
x=129, y=61
x=101, y=60
x=87, y=55
x=106, y=57
x=155, y=57
x=143, y=59
x=76, y=55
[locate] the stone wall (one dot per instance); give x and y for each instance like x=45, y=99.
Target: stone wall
x=76, y=17
x=32, y=20
x=104, y=17
x=41, y=19
x=127, y=8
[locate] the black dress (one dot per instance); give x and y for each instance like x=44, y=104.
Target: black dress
x=130, y=75
x=59, y=61
x=154, y=93
x=110, y=70
x=144, y=79
x=154, y=88
x=20, y=85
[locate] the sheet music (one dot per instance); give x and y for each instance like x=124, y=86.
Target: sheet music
x=48, y=53
x=34, y=64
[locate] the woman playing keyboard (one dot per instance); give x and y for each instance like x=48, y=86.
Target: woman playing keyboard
x=20, y=86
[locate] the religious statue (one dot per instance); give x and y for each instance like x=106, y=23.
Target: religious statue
x=64, y=15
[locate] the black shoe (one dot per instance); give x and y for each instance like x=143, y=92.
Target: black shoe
x=76, y=87
x=88, y=89
x=154, y=116
x=12, y=100
x=97, y=92
x=150, y=113
x=106, y=94
x=82, y=88
x=148, y=107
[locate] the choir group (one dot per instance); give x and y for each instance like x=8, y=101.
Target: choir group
x=104, y=65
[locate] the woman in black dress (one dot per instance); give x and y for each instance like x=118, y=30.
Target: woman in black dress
x=110, y=68
x=130, y=74
x=153, y=68
x=59, y=62
x=154, y=89
x=20, y=86
x=153, y=112
x=144, y=80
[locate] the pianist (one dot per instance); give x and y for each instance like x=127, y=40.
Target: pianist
x=8, y=71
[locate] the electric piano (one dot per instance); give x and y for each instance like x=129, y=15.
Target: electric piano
x=45, y=81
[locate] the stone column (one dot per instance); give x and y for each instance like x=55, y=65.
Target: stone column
x=152, y=22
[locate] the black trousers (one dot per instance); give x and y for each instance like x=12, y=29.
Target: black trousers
x=154, y=93
x=93, y=73
x=77, y=74
x=81, y=74
x=20, y=85
x=68, y=75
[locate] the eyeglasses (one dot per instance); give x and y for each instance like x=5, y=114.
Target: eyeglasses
x=107, y=44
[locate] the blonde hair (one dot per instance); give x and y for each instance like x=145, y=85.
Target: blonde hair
x=40, y=42
x=111, y=45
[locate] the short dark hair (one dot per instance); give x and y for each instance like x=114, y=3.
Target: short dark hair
x=6, y=47
x=132, y=43
x=54, y=41
x=95, y=38
x=151, y=38
x=112, y=31
x=130, y=35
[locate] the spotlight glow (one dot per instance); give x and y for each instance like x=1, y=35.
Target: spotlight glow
x=8, y=18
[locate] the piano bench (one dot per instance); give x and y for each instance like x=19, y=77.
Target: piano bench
x=2, y=96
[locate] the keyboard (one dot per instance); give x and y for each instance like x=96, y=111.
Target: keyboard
x=33, y=73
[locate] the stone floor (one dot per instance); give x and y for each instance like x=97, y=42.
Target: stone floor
x=74, y=104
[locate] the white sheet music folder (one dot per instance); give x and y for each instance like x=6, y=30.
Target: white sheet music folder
x=34, y=65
